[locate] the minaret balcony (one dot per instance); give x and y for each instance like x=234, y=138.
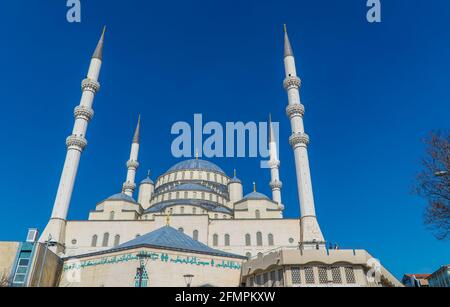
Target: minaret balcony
x=82, y=112
x=90, y=85
x=128, y=186
x=76, y=142
x=294, y=110
x=133, y=164
x=292, y=82
x=299, y=139
x=276, y=185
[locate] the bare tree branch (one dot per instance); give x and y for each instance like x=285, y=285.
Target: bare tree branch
x=433, y=184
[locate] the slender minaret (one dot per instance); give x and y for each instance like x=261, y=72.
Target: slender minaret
x=311, y=235
x=274, y=164
x=75, y=146
x=129, y=186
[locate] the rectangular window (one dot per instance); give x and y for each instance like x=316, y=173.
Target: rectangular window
x=280, y=278
x=323, y=275
x=350, y=275
x=309, y=275
x=336, y=272
x=266, y=279
x=295, y=272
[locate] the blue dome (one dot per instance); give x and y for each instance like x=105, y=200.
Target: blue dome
x=195, y=164
x=121, y=196
x=256, y=195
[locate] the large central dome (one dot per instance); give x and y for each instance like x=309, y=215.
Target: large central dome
x=196, y=164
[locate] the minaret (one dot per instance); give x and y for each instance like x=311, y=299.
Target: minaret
x=311, y=235
x=76, y=143
x=274, y=164
x=129, y=186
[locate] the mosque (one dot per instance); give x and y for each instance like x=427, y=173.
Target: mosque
x=193, y=222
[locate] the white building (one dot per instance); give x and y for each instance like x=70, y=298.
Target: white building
x=197, y=196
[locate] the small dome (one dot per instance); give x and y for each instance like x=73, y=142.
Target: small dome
x=235, y=180
x=256, y=196
x=196, y=164
x=147, y=181
x=121, y=196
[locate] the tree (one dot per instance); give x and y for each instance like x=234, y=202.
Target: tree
x=433, y=184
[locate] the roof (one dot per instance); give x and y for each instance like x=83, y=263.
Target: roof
x=418, y=276
x=191, y=187
x=172, y=239
x=196, y=164
x=256, y=195
x=234, y=180
x=147, y=181
x=121, y=196
x=204, y=204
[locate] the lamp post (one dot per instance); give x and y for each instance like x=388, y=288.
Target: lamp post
x=188, y=279
x=140, y=270
x=48, y=243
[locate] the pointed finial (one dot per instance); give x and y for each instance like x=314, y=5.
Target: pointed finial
x=254, y=186
x=98, y=53
x=196, y=154
x=287, y=44
x=148, y=173
x=168, y=219
x=137, y=133
x=234, y=173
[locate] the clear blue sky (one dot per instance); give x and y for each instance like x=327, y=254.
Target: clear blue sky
x=372, y=92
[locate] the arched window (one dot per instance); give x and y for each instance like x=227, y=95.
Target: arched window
x=181, y=229
x=192, y=175
x=258, y=214
x=227, y=240
x=94, y=241
x=116, y=240
x=182, y=210
x=208, y=176
x=178, y=195
x=215, y=240
x=216, y=216
x=186, y=196
x=248, y=240
x=210, y=197
x=111, y=215
x=270, y=239
x=259, y=239
x=203, y=195
x=105, y=240
x=170, y=196
x=195, y=235
x=138, y=235
x=194, y=210
x=195, y=195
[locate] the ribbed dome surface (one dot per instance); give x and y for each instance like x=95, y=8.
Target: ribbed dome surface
x=195, y=164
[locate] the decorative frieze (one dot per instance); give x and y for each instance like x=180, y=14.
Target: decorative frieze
x=276, y=185
x=133, y=164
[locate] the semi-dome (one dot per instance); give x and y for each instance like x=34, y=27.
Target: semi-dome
x=256, y=195
x=196, y=164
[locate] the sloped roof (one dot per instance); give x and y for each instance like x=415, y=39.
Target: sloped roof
x=121, y=196
x=256, y=195
x=172, y=239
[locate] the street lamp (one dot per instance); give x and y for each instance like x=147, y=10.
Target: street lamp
x=140, y=270
x=188, y=279
x=48, y=243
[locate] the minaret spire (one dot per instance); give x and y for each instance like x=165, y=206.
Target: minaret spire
x=132, y=165
x=311, y=235
x=274, y=164
x=287, y=44
x=76, y=143
x=98, y=53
